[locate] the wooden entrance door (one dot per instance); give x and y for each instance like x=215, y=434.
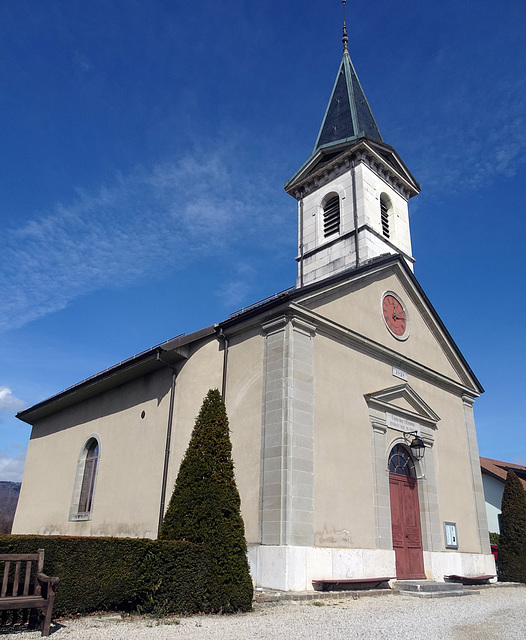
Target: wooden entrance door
x=405, y=522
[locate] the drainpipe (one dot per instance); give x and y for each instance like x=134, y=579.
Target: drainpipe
x=221, y=336
x=355, y=211
x=300, y=227
x=168, y=440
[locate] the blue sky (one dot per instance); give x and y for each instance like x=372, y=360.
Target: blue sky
x=144, y=151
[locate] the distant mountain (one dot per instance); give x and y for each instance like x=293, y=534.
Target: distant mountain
x=9, y=492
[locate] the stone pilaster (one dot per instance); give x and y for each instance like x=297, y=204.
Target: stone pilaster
x=382, y=503
x=428, y=499
x=287, y=482
x=476, y=475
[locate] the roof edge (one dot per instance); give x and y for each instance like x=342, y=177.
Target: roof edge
x=92, y=385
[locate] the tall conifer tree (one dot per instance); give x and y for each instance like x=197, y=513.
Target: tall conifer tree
x=511, y=562
x=205, y=508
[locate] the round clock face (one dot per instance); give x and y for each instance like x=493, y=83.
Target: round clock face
x=395, y=315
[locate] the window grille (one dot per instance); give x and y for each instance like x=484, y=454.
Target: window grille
x=401, y=462
x=331, y=217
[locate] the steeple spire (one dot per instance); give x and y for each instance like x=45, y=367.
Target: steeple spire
x=352, y=192
x=348, y=116
x=345, y=39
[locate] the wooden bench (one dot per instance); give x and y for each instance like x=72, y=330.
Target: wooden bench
x=351, y=584
x=469, y=580
x=24, y=586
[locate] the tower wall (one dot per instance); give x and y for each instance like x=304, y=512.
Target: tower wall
x=321, y=256
x=369, y=189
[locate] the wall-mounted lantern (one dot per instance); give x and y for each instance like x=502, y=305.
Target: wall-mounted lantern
x=418, y=448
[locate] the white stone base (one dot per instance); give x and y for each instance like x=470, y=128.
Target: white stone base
x=294, y=568
x=440, y=564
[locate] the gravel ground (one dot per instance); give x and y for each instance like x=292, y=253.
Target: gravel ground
x=494, y=614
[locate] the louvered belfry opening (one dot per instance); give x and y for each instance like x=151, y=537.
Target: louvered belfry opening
x=384, y=210
x=331, y=216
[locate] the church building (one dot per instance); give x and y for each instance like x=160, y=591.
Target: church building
x=350, y=405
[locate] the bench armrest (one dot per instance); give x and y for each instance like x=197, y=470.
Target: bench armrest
x=50, y=581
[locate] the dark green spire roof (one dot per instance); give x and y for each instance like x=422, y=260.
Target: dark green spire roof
x=348, y=114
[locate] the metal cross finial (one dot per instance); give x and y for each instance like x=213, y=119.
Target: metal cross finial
x=345, y=39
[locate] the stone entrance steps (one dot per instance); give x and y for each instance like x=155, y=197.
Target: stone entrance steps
x=430, y=589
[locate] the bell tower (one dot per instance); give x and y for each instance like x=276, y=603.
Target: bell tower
x=353, y=191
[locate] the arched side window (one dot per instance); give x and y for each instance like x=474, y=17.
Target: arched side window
x=84, y=488
x=88, y=479
x=400, y=461
x=385, y=210
x=331, y=215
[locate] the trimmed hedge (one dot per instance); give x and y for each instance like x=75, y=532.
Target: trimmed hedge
x=205, y=508
x=494, y=538
x=511, y=561
x=123, y=574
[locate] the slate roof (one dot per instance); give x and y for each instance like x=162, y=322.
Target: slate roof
x=499, y=469
x=348, y=115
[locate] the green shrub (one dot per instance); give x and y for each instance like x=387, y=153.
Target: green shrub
x=123, y=574
x=511, y=561
x=177, y=578
x=493, y=538
x=205, y=508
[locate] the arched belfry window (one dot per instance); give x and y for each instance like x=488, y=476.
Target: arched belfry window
x=84, y=487
x=331, y=215
x=400, y=461
x=385, y=210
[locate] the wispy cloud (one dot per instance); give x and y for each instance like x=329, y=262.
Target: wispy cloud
x=8, y=402
x=123, y=231
x=475, y=131
x=12, y=468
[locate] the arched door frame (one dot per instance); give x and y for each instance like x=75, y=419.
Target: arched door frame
x=418, y=467
x=389, y=422
x=405, y=512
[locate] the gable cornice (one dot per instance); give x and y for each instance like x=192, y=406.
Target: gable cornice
x=413, y=288
x=310, y=177
x=381, y=352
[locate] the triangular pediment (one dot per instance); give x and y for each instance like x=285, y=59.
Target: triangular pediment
x=350, y=306
x=402, y=399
